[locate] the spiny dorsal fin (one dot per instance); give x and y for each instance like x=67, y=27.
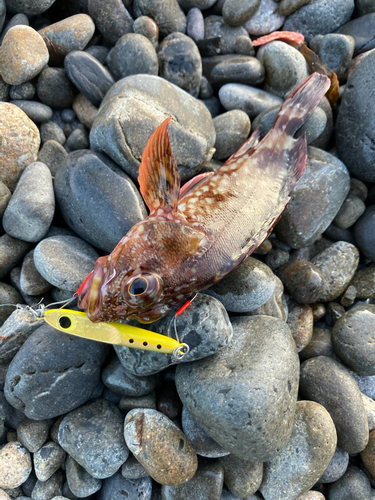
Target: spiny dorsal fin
x=158, y=178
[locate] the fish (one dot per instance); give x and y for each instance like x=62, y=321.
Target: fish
x=197, y=234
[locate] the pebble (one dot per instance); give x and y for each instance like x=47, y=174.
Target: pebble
x=52, y=154
x=36, y=111
x=64, y=261
x=55, y=89
x=50, y=131
x=232, y=130
x=111, y=18
x=287, y=7
x=167, y=14
x=8, y=295
x=230, y=395
x=103, y=450
x=33, y=433
x=31, y=281
x=132, y=469
x=204, y=326
x=338, y=264
x=207, y=483
x=285, y=67
x=350, y=211
x=241, y=477
x=363, y=232
x=180, y=62
x=79, y=480
x=336, y=468
x=53, y=373
x=336, y=52
x=319, y=345
x=85, y=110
x=160, y=446
x=301, y=322
x=5, y=196
x=195, y=24
x=15, y=156
x=23, y=91
x=48, y=460
x=15, y=465
x=117, y=487
x=205, y=90
x=147, y=27
x=200, y=4
x=364, y=283
x=127, y=403
x=18, y=19
x=237, y=69
x=329, y=383
x=310, y=449
x=249, y=99
x=202, y=443
x=23, y=55
x=29, y=7
x=215, y=26
x=12, y=251
x=361, y=30
x=303, y=280
x=71, y=33
x=101, y=221
x=99, y=52
x=48, y=489
x=78, y=139
x=90, y=77
x=276, y=306
x=369, y=405
x=349, y=296
x=353, y=484
x=321, y=190
x=266, y=19
x=352, y=339
x=276, y=257
x=123, y=382
x=2, y=13
x=244, y=46
x=126, y=105
x=237, y=13
x=319, y=17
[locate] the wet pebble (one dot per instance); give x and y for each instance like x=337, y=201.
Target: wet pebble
x=55, y=89
x=117, y=487
x=266, y=19
x=215, y=26
x=15, y=465
x=232, y=130
x=167, y=14
x=233, y=413
x=300, y=464
x=180, y=62
x=237, y=13
x=23, y=55
x=147, y=27
x=79, y=480
x=90, y=77
x=64, y=261
x=160, y=446
x=48, y=460
x=241, y=477
x=111, y=18
x=104, y=450
x=34, y=382
x=36, y=111
x=352, y=339
x=123, y=382
x=329, y=383
x=300, y=321
x=202, y=443
x=15, y=156
x=48, y=489
x=353, y=484
x=33, y=433
x=71, y=33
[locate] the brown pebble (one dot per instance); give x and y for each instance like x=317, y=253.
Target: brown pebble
x=85, y=110
x=368, y=455
x=15, y=465
x=160, y=446
x=264, y=247
x=301, y=322
x=147, y=27
x=303, y=280
x=23, y=55
x=318, y=310
x=20, y=143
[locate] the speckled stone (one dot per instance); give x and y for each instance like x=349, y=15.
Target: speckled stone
x=48, y=460
x=132, y=469
x=123, y=382
x=303, y=280
x=48, y=489
x=246, y=288
x=352, y=339
x=168, y=15
x=215, y=26
x=321, y=190
x=364, y=283
x=80, y=482
x=204, y=326
x=336, y=468
x=30, y=211
x=231, y=408
x=15, y=465
x=202, y=443
x=300, y=464
x=237, y=13
x=353, y=484
x=266, y=19
x=300, y=321
x=64, y=261
x=111, y=18
x=338, y=264
x=23, y=55
x=16, y=155
x=72, y=33
x=5, y=196
x=118, y=488
x=319, y=345
x=241, y=477
x=329, y=383
x=23, y=91
x=103, y=450
x=160, y=446
x=33, y=433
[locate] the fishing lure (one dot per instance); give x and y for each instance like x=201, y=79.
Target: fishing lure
x=195, y=236
x=77, y=323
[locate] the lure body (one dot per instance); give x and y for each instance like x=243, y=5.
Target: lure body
x=77, y=323
x=195, y=236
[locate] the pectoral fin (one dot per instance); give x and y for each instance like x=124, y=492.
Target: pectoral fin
x=158, y=178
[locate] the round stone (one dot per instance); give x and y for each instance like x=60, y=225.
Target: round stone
x=364, y=283
x=350, y=211
x=336, y=468
x=167, y=14
x=147, y=27
x=301, y=322
x=111, y=18
x=29, y=7
x=364, y=233
x=23, y=55
x=31, y=281
x=85, y=110
x=266, y=19
x=236, y=13
x=195, y=24
x=242, y=477
x=12, y=250
x=48, y=460
x=15, y=155
x=215, y=26
x=160, y=446
x=237, y=69
x=118, y=487
x=319, y=345
x=80, y=482
x=232, y=130
x=55, y=89
x=353, y=484
x=15, y=465
x=36, y=111
x=33, y=433
x=24, y=91
x=123, y=382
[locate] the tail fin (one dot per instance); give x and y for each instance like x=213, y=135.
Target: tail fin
x=300, y=104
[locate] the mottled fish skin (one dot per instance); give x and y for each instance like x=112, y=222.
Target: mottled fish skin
x=188, y=244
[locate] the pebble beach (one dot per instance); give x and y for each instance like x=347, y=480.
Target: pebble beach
x=276, y=398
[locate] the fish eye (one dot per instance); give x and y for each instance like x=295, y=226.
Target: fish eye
x=138, y=286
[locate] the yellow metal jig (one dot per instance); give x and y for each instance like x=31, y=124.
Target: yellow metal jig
x=77, y=323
